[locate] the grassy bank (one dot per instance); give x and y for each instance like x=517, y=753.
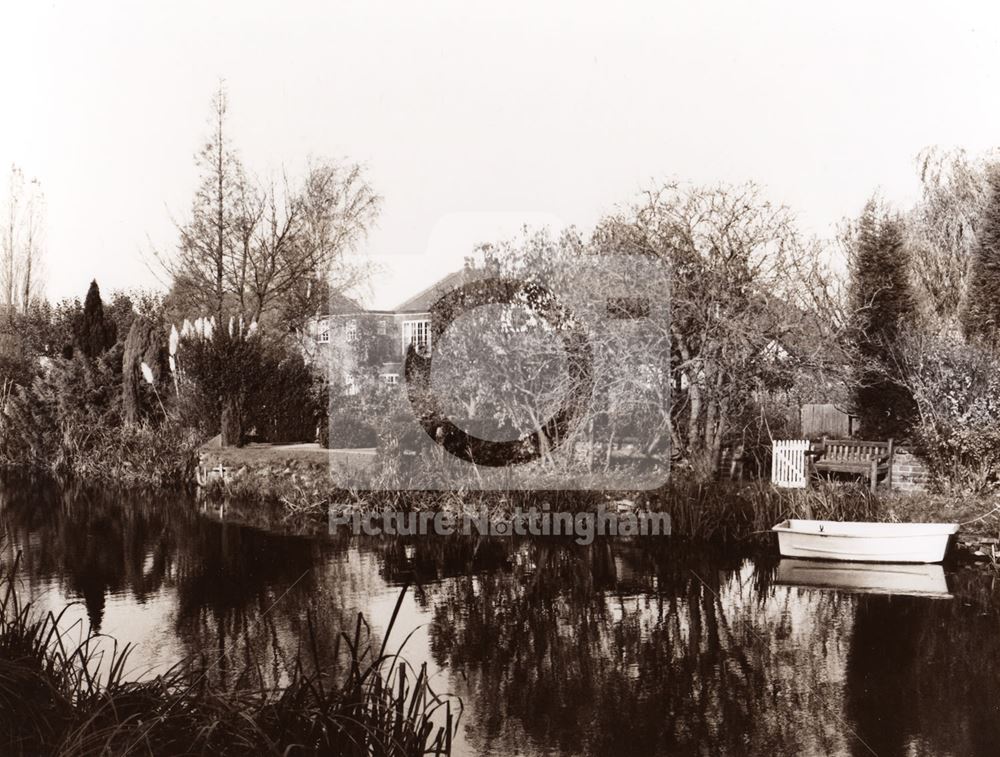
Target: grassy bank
x=63, y=699
x=136, y=455
x=715, y=511
x=299, y=486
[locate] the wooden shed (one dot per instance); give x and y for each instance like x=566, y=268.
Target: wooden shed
x=817, y=421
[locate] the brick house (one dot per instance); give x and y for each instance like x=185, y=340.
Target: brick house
x=347, y=338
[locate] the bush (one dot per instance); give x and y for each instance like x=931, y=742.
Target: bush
x=269, y=391
x=53, y=420
x=69, y=420
x=364, y=418
x=144, y=345
x=17, y=366
x=290, y=404
x=957, y=391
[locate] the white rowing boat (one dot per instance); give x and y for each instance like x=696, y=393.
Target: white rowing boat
x=864, y=542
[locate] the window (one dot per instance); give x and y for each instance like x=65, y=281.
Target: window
x=323, y=331
x=382, y=328
x=390, y=378
x=351, y=331
x=417, y=333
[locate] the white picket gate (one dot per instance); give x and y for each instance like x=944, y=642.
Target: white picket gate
x=788, y=463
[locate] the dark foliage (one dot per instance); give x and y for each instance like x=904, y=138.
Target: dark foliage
x=53, y=420
x=884, y=308
x=981, y=315
x=290, y=405
x=126, y=306
x=222, y=375
x=65, y=412
x=95, y=333
x=249, y=388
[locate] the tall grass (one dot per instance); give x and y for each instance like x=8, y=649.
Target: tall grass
x=57, y=698
x=718, y=511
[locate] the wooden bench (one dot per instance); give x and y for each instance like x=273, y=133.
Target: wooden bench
x=869, y=459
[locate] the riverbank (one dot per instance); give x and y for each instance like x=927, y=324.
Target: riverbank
x=296, y=485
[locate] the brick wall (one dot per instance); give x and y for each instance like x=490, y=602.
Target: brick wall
x=909, y=474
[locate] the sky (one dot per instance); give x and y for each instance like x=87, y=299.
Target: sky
x=473, y=119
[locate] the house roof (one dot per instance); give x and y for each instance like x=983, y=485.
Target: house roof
x=341, y=304
x=423, y=301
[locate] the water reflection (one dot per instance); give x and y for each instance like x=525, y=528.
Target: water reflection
x=939, y=666
x=624, y=648
x=865, y=578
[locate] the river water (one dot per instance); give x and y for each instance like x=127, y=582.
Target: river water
x=635, y=647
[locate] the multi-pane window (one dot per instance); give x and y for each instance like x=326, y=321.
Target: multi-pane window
x=417, y=333
x=351, y=331
x=323, y=332
x=390, y=378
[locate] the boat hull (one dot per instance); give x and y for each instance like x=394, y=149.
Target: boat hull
x=864, y=542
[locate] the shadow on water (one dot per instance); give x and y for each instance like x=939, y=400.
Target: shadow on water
x=619, y=647
x=924, y=675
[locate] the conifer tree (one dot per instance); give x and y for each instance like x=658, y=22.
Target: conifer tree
x=94, y=332
x=981, y=315
x=883, y=306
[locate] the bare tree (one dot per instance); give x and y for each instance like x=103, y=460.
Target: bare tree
x=23, y=238
x=294, y=242
x=206, y=239
x=534, y=356
x=943, y=227
x=269, y=249
x=735, y=262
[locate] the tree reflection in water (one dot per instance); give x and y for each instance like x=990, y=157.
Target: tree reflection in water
x=610, y=649
x=615, y=649
x=923, y=676
x=242, y=600
x=641, y=647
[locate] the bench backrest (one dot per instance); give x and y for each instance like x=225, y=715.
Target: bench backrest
x=850, y=450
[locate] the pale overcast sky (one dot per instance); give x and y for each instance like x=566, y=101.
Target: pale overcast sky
x=473, y=117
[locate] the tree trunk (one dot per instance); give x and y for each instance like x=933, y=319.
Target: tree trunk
x=220, y=209
x=232, y=423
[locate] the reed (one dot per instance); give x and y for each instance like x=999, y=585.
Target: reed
x=57, y=698
x=724, y=512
